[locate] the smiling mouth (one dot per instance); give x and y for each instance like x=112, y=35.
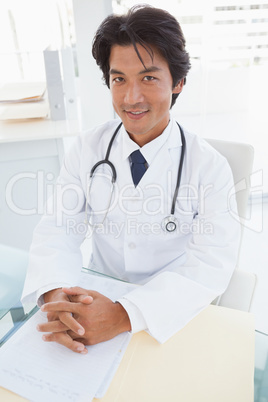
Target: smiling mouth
x=135, y=114
x=142, y=111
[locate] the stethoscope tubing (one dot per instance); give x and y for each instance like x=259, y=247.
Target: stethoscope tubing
x=183, y=146
x=106, y=159
x=169, y=220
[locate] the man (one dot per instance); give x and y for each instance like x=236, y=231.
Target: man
x=180, y=248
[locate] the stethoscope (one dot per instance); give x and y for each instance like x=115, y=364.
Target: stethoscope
x=169, y=223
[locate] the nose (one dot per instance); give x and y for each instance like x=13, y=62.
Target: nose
x=133, y=93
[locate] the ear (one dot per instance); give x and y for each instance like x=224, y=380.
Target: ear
x=178, y=88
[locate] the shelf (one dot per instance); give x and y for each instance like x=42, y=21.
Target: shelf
x=37, y=129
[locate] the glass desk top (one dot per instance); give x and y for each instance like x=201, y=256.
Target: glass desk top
x=11, y=319
x=261, y=367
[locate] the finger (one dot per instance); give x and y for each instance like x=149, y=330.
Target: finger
x=71, y=323
x=77, y=294
x=58, y=306
x=67, y=321
x=52, y=316
x=52, y=326
x=64, y=339
x=82, y=299
x=75, y=290
x=64, y=309
x=86, y=300
x=74, y=336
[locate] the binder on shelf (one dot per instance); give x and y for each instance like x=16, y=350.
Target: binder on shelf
x=54, y=85
x=60, y=77
x=69, y=83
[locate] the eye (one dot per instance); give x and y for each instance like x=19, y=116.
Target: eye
x=149, y=78
x=118, y=79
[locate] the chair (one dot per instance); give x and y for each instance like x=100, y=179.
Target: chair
x=240, y=291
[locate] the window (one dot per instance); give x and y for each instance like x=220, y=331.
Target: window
x=28, y=27
x=225, y=94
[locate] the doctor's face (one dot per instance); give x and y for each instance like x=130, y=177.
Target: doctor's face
x=141, y=96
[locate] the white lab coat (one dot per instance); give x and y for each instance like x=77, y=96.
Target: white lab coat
x=181, y=272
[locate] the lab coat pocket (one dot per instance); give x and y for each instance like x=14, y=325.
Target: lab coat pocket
x=174, y=230
x=164, y=247
x=174, y=226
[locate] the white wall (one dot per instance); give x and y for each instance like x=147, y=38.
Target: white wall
x=230, y=105
x=96, y=106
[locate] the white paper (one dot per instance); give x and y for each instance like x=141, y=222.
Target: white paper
x=22, y=91
x=42, y=371
x=30, y=110
x=112, y=288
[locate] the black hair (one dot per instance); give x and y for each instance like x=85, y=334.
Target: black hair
x=146, y=26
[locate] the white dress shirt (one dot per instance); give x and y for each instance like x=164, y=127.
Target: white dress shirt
x=181, y=272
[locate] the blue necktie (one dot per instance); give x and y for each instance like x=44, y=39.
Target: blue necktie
x=138, y=166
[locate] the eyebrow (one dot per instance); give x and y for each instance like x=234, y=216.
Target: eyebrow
x=151, y=69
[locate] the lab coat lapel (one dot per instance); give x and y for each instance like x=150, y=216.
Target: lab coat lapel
x=166, y=158
x=161, y=163
x=121, y=162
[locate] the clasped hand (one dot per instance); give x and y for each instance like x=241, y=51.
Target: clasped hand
x=79, y=317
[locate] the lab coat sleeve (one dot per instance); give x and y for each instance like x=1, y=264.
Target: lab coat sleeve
x=55, y=259
x=169, y=300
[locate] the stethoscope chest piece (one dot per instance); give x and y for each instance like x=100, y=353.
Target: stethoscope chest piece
x=169, y=224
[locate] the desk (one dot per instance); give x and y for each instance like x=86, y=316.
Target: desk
x=211, y=359
x=261, y=367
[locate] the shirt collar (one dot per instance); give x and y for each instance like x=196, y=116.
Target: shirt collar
x=150, y=149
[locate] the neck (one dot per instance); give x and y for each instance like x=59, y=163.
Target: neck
x=142, y=139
